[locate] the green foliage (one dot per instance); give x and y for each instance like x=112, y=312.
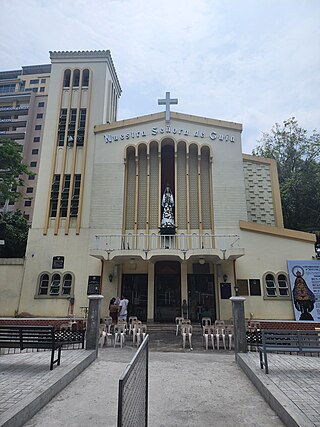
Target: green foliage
x=14, y=231
x=297, y=155
x=11, y=170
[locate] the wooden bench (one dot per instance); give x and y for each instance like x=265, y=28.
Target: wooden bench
x=287, y=341
x=23, y=337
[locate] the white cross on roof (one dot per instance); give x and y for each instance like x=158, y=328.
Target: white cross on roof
x=167, y=102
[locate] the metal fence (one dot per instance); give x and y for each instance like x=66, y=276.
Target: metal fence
x=133, y=390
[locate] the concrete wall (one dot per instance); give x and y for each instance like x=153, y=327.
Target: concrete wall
x=11, y=276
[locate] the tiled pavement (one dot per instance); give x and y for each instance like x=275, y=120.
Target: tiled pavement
x=26, y=382
x=292, y=386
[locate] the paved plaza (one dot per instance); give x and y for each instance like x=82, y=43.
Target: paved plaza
x=186, y=388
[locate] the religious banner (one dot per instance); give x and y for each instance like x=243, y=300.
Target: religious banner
x=305, y=288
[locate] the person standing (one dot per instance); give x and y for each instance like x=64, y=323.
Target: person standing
x=113, y=311
x=123, y=308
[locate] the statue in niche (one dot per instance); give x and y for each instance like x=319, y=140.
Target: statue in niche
x=303, y=297
x=167, y=221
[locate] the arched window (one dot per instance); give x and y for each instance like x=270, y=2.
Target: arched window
x=55, y=284
x=43, y=284
x=85, y=78
x=76, y=78
x=270, y=286
x=283, y=285
x=67, y=284
x=276, y=285
x=66, y=78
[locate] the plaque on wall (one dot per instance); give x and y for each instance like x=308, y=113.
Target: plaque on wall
x=225, y=290
x=93, y=285
x=58, y=262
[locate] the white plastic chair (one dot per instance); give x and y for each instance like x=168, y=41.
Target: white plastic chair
x=186, y=331
x=206, y=332
x=141, y=333
x=219, y=332
x=108, y=323
x=230, y=334
x=131, y=320
x=206, y=321
x=178, y=324
x=119, y=334
x=135, y=327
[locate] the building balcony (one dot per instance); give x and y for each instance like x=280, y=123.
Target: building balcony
x=14, y=134
x=121, y=248
x=21, y=110
x=21, y=122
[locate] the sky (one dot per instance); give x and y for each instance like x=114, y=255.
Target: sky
x=254, y=62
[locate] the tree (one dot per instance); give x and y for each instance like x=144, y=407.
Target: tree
x=11, y=170
x=14, y=231
x=297, y=155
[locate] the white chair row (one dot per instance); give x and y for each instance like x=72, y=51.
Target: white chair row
x=218, y=335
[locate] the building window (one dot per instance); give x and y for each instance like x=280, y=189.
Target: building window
x=35, y=151
x=43, y=284
x=270, y=285
x=34, y=89
x=36, y=139
x=34, y=81
x=39, y=115
x=75, y=196
x=41, y=104
x=283, y=285
x=76, y=78
x=66, y=78
x=6, y=88
x=276, y=285
x=37, y=127
x=67, y=284
x=29, y=189
x=42, y=89
x=26, y=216
x=55, y=284
x=62, y=127
x=33, y=164
x=43, y=80
x=65, y=196
x=81, y=127
x=54, y=195
x=27, y=203
x=85, y=78
x=31, y=177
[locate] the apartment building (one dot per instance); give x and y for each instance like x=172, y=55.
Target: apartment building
x=23, y=100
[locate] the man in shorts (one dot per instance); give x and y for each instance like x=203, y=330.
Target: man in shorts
x=123, y=308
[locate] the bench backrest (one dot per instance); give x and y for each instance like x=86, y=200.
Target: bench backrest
x=24, y=335
x=290, y=339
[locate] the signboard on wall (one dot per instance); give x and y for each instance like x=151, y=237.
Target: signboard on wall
x=93, y=285
x=305, y=288
x=57, y=262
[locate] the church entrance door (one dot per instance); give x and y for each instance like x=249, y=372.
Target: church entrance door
x=201, y=297
x=167, y=303
x=135, y=289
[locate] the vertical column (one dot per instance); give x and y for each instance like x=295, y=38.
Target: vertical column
x=184, y=281
x=150, y=307
x=240, y=339
x=93, y=322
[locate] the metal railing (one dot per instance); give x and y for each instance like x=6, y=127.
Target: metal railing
x=133, y=390
x=182, y=241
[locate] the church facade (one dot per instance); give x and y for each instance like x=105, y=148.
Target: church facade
x=161, y=208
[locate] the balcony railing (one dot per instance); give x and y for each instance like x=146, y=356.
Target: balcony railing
x=183, y=242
